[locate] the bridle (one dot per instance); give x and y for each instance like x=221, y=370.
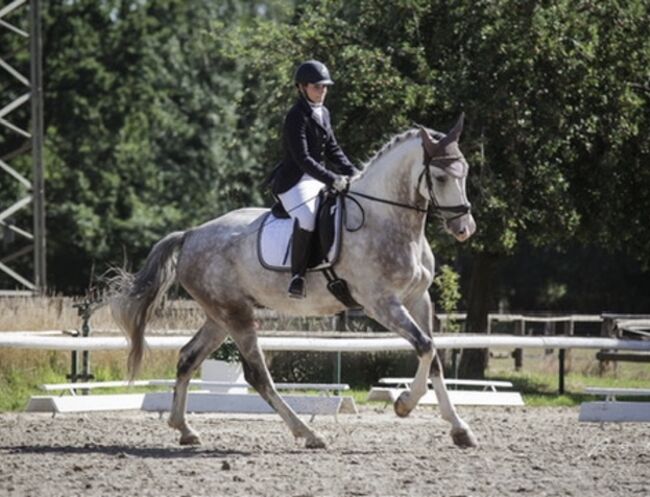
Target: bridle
x=441, y=162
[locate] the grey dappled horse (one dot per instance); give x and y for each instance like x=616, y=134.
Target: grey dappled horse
x=388, y=265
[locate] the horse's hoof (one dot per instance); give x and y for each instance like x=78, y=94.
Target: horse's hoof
x=190, y=439
x=400, y=406
x=315, y=442
x=463, y=438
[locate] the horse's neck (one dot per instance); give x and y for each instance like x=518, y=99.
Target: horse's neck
x=393, y=177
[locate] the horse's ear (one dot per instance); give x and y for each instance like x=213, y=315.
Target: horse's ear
x=454, y=134
x=427, y=142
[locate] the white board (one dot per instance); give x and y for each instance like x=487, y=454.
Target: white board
x=457, y=397
x=204, y=402
x=85, y=403
x=615, y=412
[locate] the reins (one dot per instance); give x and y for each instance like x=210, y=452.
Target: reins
x=389, y=202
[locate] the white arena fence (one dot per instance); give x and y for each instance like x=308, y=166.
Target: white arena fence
x=46, y=341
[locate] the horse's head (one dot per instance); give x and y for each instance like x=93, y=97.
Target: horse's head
x=443, y=179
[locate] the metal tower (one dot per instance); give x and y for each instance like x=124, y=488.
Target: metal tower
x=33, y=141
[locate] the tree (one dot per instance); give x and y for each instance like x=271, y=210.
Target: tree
x=141, y=130
x=529, y=77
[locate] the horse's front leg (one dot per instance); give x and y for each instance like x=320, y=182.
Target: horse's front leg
x=206, y=340
x=422, y=311
x=395, y=316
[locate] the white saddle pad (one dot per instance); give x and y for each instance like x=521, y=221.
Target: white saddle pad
x=274, y=242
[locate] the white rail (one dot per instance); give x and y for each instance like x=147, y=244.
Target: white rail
x=24, y=340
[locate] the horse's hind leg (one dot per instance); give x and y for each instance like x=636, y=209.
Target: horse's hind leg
x=258, y=376
x=461, y=433
x=207, y=340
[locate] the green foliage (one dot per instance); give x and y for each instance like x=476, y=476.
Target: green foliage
x=18, y=383
x=448, y=288
x=162, y=115
x=227, y=352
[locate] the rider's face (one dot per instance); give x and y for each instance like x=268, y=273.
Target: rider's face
x=316, y=92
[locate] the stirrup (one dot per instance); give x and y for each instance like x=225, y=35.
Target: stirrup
x=297, y=287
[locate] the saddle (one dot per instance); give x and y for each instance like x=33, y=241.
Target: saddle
x=274, y=237
x=274, y=243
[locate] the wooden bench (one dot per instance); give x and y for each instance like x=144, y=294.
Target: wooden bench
x=390, y=389
x=614, y=411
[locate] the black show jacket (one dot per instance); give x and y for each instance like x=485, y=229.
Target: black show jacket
x=306, y=143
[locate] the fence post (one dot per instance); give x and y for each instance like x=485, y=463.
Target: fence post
x=607, y=330
x=561, y=371
x=340, y=325
x=518, y=354
x=85, y=310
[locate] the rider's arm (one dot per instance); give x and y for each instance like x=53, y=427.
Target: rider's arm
x=295, y=129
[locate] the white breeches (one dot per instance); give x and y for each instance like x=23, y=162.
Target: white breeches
x=301, y=201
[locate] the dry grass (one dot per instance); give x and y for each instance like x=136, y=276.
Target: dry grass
x=21, y=371
x=59, y=313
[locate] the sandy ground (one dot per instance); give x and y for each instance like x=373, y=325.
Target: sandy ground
x=524, y=451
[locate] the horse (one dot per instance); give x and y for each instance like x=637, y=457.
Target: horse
x=388, y=265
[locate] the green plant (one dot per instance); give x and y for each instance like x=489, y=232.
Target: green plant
x=448, y=286
x=227, y=352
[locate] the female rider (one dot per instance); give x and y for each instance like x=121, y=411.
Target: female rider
x=307, y=140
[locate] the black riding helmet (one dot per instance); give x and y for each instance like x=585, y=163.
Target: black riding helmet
x=313, y=72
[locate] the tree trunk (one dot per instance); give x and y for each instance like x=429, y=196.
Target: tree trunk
x=474, y=362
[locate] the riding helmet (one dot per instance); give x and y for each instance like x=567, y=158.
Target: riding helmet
x=313, y=71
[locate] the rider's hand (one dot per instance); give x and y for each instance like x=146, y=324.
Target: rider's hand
x=341, y=183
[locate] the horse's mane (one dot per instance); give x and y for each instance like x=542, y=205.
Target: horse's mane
x=395, y=141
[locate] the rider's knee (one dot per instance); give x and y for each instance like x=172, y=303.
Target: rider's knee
x=306, y=219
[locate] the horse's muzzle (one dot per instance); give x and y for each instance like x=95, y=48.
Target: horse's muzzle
x=462, y=227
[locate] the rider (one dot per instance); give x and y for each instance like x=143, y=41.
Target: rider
x=307, y=140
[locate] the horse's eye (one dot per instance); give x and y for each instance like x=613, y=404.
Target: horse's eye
x=441, y=179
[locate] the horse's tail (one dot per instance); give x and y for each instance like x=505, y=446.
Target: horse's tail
x=134, y=298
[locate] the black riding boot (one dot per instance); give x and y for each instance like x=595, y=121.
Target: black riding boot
x=300, y=244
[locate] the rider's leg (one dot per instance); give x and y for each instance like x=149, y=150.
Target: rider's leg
x=301, y=202
x=300, y=243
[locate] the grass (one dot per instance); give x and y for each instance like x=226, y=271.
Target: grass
x=538, y=382
x=22, y=371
